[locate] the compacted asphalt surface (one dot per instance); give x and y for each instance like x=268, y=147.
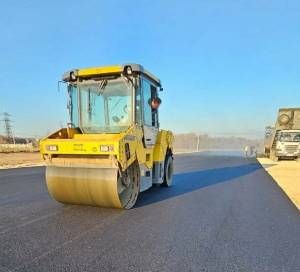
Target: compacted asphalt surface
x=223, y=213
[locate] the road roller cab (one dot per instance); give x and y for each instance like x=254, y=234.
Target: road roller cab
x=112, y=149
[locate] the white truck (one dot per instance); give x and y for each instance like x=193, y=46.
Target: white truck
x=283, y=140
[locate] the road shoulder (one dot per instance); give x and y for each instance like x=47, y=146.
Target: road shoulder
x=20, y=159
x=287, y=175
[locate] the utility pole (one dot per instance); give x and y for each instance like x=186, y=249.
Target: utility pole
x=198, y=142
x=8, y=128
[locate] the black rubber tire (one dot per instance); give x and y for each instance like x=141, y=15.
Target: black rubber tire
x=168, y=171
x=131, y=194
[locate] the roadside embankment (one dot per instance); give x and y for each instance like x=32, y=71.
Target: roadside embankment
x=287, y=176
x=21, y=159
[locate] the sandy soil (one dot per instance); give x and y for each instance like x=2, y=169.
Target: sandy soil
x=11, y=160
x=287, y=176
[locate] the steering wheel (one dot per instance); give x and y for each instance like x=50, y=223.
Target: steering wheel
x=116, y=119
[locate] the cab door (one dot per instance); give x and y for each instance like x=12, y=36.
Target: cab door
x=150, y=116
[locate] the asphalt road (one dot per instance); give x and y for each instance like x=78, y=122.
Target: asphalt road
x=224, y=213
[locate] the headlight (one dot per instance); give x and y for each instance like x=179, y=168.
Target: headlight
x=106, y=148
x=52, y=147
x=279, y=146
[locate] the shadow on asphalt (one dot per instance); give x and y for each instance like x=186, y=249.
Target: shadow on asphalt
x=191, y=181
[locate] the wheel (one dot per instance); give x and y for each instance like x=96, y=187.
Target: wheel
x=102, y=187
x=129, y=186
x=168, y=171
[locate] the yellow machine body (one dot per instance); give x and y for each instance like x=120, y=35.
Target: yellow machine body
x=106, y=169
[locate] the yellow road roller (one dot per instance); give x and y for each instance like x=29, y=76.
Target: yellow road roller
x=113, y=148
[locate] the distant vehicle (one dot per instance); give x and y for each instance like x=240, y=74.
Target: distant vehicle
x=287, y=144
x=283, y=140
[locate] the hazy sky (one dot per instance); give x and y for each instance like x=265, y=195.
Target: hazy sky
x=226, y=66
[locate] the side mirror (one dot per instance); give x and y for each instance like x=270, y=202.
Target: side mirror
x=127, y=70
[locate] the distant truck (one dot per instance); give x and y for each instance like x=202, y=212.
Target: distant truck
x=283, y=140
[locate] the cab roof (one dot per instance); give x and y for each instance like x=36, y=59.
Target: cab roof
x=289, y=109
x=91, y=72
x=289, y=130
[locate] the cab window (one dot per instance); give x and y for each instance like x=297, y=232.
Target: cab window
x=147, y=111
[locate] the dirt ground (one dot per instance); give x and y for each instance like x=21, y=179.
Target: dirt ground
x=11, y=160
x=287, y=176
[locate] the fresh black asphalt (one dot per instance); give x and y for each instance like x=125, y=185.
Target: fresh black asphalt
x=224, y=213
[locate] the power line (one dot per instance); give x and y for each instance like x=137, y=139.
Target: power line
x=8, y=127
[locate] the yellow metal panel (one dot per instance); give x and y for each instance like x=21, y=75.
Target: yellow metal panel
x=159, y=153
x=164, y=141
x=140, y=150
x=71, y=146
x=98, y=137
x=133, y=138
x=99, y=70
x=89, y=144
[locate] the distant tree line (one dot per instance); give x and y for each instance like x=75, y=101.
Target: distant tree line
x=19, y=140
x=194, y=142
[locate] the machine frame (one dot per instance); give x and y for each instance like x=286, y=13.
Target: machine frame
x=141, y=153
